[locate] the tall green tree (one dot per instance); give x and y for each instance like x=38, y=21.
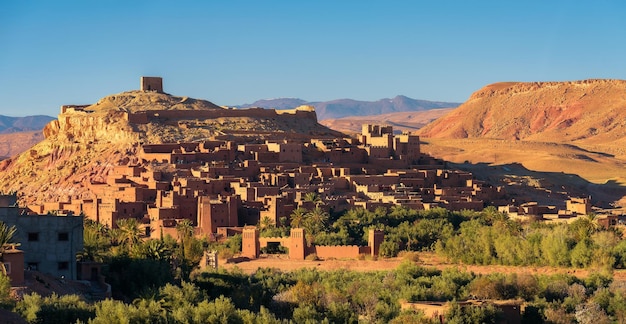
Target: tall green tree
x=130, y=231
x=297, y=217
x=6, y=236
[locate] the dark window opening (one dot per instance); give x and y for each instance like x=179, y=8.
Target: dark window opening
x=33, y=236
x=32, y=266
x=64, y=236
x=64, y=265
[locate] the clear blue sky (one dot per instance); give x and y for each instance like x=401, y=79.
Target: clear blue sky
x=235, y=52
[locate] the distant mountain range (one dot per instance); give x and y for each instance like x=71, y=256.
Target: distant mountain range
x=349, y=107
x=23, y=124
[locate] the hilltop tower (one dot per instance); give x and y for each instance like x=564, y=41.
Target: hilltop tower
x=152, y=84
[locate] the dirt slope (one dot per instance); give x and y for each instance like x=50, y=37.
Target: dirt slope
x=593, y=111
x=15, y=143
x=573, y=128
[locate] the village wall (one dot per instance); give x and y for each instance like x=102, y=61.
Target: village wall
x=144, y=117
x=337, y=251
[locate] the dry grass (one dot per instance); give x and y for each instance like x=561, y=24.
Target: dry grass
x=427, y=259
x=547, y=168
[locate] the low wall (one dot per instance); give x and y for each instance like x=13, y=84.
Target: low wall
x=143, y=117
x=284, y=241
x=337, y=252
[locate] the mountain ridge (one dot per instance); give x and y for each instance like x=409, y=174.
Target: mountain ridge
x=588, y=110
x=10, y=124
x=570, y=127
x=339, y=108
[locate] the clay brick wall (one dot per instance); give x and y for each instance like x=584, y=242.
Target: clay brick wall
x=287, y=152
x=337, y=252
x=250, y=246
x=460, y=205
x=297, y=245
x=376, y=152
x=375, y=238
x=284, y=241
x=578, y=205
x=171, y=115
x=13, y=260
x=161, y=213
x=216, y=213
x=152, y=84
x=134, y=209
x=373, y=180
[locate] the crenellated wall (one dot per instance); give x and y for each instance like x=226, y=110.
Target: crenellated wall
x=144, y=117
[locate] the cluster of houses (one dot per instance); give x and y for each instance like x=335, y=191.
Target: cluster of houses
x=222, y=185
x=226, y=183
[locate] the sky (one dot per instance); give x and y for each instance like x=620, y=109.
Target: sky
x=234, y=52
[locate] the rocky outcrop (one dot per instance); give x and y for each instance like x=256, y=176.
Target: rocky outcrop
x=589, y=110
x=84, y=127
x=84, y=144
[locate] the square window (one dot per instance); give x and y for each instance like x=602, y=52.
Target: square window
x=32, y=266
x=64, y=265
x=33, y=236
x=64, y=236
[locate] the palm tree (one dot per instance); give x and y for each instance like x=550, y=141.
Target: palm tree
x=184, y=228
x=316, y=220
x=130, y=231
x=156, y=250
x=297, y=217
x=266, y=223
x=583, y=227
x=314, y=198
x=6, y=237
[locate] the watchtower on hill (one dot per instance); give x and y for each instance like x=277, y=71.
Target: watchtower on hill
x=152, y=84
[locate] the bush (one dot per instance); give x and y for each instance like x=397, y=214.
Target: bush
x=409, y=255
x=389, y=249
x=54, y=309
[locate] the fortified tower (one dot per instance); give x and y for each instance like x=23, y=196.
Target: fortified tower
x=152, y=84
x=297, y=246
x=250, y=246
x=375, y=238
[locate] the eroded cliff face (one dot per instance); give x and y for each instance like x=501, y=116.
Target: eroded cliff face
x=84, y=144
x=83, y=127
x=589, y=110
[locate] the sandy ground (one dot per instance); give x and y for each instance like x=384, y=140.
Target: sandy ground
x=426, y=259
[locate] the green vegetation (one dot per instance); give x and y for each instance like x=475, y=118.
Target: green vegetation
x=340, y=296
x=485, y=237
x=154, y=280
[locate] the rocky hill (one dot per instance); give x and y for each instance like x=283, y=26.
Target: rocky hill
x=18, y=142
x=348, y=107
x=17, y=134
x=85, y=142
x=567, y=128
x=590, y=111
